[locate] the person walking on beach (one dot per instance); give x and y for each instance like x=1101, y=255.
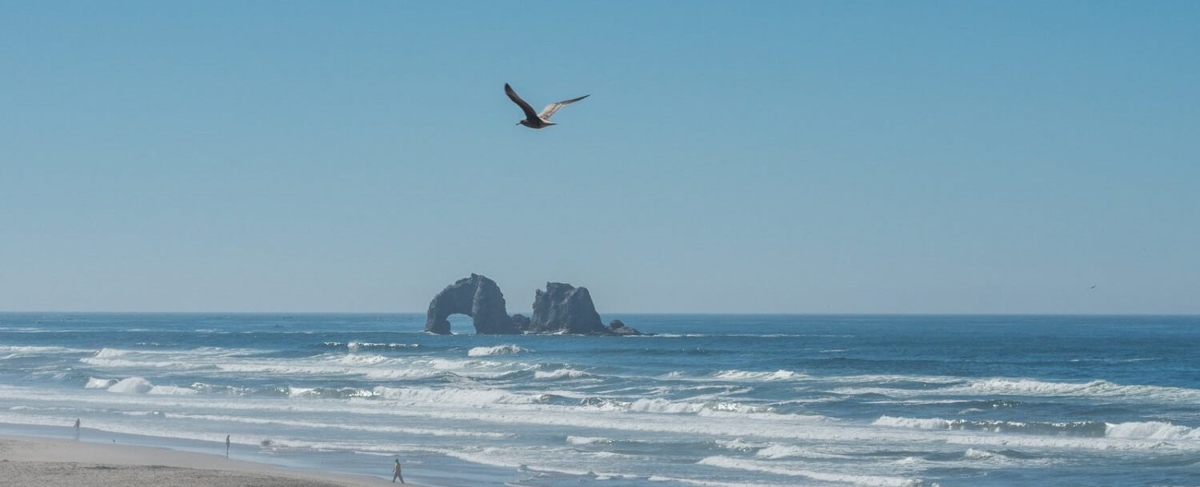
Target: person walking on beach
x=226, y=446
x=76, y=429
x=396, y=472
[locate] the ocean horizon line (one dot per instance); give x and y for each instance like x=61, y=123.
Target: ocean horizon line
x=638, y=313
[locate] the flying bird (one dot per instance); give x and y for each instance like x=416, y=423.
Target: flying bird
x=533, y=119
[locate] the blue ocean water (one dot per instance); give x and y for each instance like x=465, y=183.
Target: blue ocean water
x=748, y=400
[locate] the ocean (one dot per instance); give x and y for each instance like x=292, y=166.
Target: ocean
x=709, y=400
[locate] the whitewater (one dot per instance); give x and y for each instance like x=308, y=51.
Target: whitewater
x=709, y=400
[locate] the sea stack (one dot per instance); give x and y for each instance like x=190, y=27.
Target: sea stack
x=562, y=309
x=566, y=309
x=475, y=296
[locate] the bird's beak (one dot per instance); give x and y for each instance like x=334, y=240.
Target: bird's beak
x=518, y=123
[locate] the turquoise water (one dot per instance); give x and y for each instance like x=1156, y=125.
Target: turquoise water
x=747, y=400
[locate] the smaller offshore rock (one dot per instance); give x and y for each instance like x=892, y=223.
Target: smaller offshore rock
x=521, y=322
x=618, y=327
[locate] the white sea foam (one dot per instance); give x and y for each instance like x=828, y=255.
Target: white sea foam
x=131, y=385
x=1080, y=428
x=714, y=410
x=94, y=383
x=172, y=391
x=777, y=451
x=139, y=385
x=657, y=405
x=356, y=346
x=110, y=353
x=758, y=376
x=403, y=373
x=887, y=379
x=560, y=374
x=562, y=461
x=739, y=444
x=706, y=483
x=1151, y=431
x=369, y=365
x=767, y=413
x=458, y=410
x=301, y=391
x=974, y=454
x=780, y=469
x=780, y=451
x=920, y=402
x=342, y=392
x=25, y=351
x=113, y=358
x=587, y=440
x=663, y=406
x=460, y=397
x=338, y=425
x=1070, y=445
x=1031, y=387
x=367, y=360
x=1098, y=388
x=282, y=368
x=920, y=423
x=496, y=350
x=112, y=363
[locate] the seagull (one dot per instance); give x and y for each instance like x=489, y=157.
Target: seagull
x=533, y=119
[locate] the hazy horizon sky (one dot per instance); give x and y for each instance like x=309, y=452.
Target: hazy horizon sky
x=765, y=157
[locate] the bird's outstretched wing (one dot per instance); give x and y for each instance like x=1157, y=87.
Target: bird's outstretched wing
x=553, y=107
x=512, y=95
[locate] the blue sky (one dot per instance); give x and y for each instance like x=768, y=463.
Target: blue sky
x=810, y=157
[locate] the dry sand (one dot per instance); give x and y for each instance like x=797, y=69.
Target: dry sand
x=47, y=462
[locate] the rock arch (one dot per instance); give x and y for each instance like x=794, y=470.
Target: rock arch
x=475, y=296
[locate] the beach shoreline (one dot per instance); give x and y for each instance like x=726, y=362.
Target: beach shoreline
x=30, y=461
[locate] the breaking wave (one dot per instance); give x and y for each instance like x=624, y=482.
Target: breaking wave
x=1151, y=431
x=139, y=385
x=665, y=406
x=1087, y=429
x=1096, y=388
x=459, y=397
x=353, y=347
x=767, y=467
x=587, y=440
x=1090, y=429
x=561, y=374
x=758, y=376
x=496, y=350
x=94, y=383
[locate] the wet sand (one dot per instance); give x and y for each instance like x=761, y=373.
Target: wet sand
x=49, y=462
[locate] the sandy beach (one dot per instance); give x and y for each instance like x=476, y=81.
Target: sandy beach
x=49, y=462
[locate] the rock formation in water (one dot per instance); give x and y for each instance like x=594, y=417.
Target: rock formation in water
x=475, y=296
x=521, y=322
x=617, y=327
x=560, y=309
x=563, y=308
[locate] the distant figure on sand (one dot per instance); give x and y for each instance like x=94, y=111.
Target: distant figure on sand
x=77, y=428
x=396, y=472
x=226, y=446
